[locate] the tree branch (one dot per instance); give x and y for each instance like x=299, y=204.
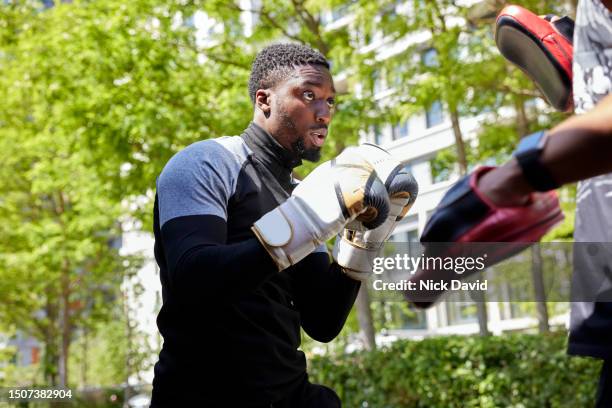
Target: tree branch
x=275, y=24
x=439, y=15
x=226, y=61
x=266, y=16
x=312, y=23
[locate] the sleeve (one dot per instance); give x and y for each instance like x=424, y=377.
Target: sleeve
x=193, y=191
x=198, y=180
x=324, y=295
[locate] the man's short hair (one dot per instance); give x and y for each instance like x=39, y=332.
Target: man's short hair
x=276, y=62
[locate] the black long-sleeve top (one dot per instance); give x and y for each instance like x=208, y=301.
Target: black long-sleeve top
x=230, y=321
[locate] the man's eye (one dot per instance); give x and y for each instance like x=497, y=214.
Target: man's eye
x=309, y=95
x=331, y=102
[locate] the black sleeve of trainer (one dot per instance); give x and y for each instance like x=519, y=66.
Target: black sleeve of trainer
x=324, y=296
x=201, y=264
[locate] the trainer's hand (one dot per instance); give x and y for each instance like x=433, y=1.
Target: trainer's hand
x=466, y=215
x=356, y=248
x=334, y=193
x=505, y=186
x=542, y=48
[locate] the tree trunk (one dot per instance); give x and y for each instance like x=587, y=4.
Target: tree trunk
x=364, y=317
x=84, y=358
x=481, y=306
x=51, y=355
x=65, y=328
x=522, y=122
x=571, y=6
x=481, y=311
x=128, y=335
x=459, y=144
x=538, y=288
x=483, y=317
x=536, y=256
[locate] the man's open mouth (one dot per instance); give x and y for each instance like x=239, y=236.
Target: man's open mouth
x=318, y=137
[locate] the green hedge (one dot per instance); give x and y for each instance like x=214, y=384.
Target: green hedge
x=517, y=370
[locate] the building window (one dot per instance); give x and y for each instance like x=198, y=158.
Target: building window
x=189, y=22
x=378, y=136
x=460, y=309
x=400, y=130
x=439, y=174
x=408, y=168
x=398, y=72
x=397, y=79
x=442, y=165
x=434, y=114
x=378, y=81
x=408, y=242
x=414, y=243
x=411, y=236
x=430, y=57
x=396, y=314
x=115, y=242
x=517, y=292
x=412, y=318
x=341, y=11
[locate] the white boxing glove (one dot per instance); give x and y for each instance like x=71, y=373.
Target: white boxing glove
x=334, y=193
x=356, y=247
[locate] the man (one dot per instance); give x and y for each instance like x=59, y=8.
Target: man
x=241, y=250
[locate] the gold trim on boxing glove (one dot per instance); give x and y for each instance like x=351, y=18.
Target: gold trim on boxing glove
x=359, y=246
x=405, y=210
x=355, y=275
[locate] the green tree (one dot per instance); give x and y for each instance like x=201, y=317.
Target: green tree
x=71, y=153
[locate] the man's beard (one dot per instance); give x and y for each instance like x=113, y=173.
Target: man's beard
x=312, y=154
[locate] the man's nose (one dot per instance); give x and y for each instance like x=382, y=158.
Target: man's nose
x=323, y=112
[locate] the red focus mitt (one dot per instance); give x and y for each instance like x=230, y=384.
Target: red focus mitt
x=465, y=215
x=542, y=49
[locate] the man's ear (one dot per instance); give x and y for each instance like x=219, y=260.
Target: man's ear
x=262, y=101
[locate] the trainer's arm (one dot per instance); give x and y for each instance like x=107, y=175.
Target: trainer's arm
x=577, y=149
x=324, y=296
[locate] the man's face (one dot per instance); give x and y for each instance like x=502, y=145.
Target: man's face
x=301, y=108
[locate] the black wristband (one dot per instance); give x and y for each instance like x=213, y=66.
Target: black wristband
x=528, y=155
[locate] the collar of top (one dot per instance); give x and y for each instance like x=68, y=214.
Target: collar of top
x=271, y=153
